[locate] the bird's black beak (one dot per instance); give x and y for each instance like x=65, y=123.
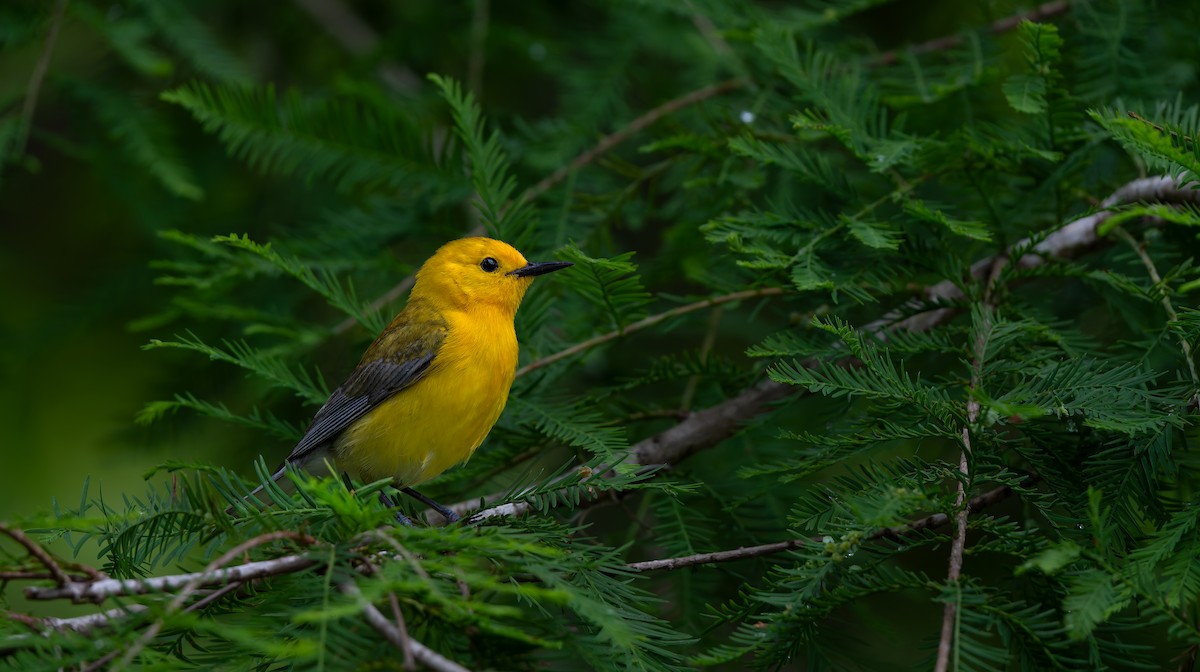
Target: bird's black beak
x=539, y=268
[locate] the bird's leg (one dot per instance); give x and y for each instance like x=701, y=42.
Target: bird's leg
x=400, y=517
x=450, y=516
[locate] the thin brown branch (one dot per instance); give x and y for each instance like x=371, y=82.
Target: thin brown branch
x=1045, y=11
x=711, y=35
x=701, y=430
x=716, y=556
x=957, y=549
x=36, y=576
x=647, y=322
x=410, y=661
x=214, y=596
x=963, y=482
x=34, y=89
x=56, y=571
x=384, y=299
x=632, y=128
x=1186, y=140
x=928, y=522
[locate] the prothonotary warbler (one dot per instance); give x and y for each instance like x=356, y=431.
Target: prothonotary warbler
x=429, y=389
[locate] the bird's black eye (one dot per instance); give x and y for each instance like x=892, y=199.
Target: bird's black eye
x=489, y=264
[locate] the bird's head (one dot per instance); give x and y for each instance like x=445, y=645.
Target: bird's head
x=478, y=271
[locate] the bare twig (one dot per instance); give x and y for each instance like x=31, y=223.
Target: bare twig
x=190, y=587
x=410, y=662
x=100, y=590
x=369, y=569
x=716, y=556
x=33, y=576
x=214, y=596
x=425, y=655
x=647, y=322
x=60, y=577
x=29, y=106
x=698, y=432
x=86, y=624
x=931, y=521
x=82, y=624
x=1046, y=11
x=632, y=128
x=710, y=34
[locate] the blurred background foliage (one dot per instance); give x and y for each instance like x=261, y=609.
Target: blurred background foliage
x=151, y=127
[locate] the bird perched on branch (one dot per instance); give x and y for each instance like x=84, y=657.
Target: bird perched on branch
x=430, y=387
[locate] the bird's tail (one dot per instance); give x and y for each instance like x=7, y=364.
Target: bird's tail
x=315, y=464
x=260, y=494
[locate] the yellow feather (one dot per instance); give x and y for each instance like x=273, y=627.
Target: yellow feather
x=439, y=421
x=432, y=385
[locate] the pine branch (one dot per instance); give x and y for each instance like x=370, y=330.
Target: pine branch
x=56, y=571
x=999, y=27
x=701, y=430
x=185, y=592
x=186, y=584
x=709, y=427
x=629, y=130
x=647, y=322
x=1168, y=307
x=603, y=146
x=982, y=334
x=34, y=89
x=706, y=428
x=894, y=533
x=428, y=657
x=1070, y=240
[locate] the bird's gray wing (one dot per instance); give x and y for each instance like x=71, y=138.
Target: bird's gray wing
x=410, y=351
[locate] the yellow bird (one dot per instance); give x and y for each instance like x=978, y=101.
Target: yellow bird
x=429, y=389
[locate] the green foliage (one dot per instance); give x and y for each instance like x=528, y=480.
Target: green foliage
x=612, y=286
x=355, y=144
x=495, y=188
x=889, y=211
x=265, y=366
x=1165, y=143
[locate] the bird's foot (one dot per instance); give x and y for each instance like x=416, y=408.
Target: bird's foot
x=401, y=519
x=449, y=514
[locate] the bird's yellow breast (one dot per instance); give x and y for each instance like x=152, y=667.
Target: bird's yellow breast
x=441, y=419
